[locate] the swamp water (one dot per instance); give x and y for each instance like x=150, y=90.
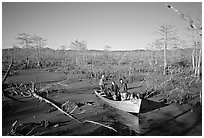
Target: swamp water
x=147, y=123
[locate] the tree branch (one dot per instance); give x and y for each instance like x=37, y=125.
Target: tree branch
x=7, y=72
x=49, y=102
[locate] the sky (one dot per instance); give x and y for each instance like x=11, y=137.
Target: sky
x=120, y=25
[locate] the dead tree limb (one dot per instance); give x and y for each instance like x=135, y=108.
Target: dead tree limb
x=93, y=122
x=73, y=109
x=49, y=102
x=34, y=94
x=7, y=72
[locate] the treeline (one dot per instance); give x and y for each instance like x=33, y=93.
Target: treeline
x=93, y=61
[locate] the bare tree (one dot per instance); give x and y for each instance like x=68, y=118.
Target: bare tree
x=63, y=47
x=153, y=47
x=197, y=49
x=168, y=37
x=79, y=46
x=107, y=48
x=38, y=43
x=106, y=51
x=25, y=41
x=197, y=35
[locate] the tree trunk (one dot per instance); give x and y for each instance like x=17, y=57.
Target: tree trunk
x=38, y=56
x=196, y=59
x=193, y=59
x=154, y=60
x=27, y=55
x=165, y=60
x=150, y=59
x=199, y=63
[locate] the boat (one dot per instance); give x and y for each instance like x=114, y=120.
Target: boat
x=132, y=106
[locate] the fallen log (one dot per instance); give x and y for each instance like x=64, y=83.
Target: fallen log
x=34, y=94
x=51, y=103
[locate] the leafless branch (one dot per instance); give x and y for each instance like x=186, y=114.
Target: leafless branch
x=93, y=122
x=34, y=94
x=49, y=102
x=7, y=72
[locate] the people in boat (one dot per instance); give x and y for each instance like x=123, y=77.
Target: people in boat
x=133, y=96
x=123, y=89
x=130, y=96
x=138, y=96
x=109, y=93
x=115, y=89
x=101, y=83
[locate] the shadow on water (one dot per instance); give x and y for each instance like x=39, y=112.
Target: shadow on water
x=188, y=122
x=148, y=105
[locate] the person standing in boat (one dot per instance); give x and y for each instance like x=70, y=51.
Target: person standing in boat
x=123, y=89
x=101, y=83
x=115, y=89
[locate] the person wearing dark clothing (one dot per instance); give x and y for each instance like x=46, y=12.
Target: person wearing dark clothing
x=123, y=90
x=109, y=94
x=115, y=89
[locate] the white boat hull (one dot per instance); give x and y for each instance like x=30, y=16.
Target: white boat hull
x=132, y=106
